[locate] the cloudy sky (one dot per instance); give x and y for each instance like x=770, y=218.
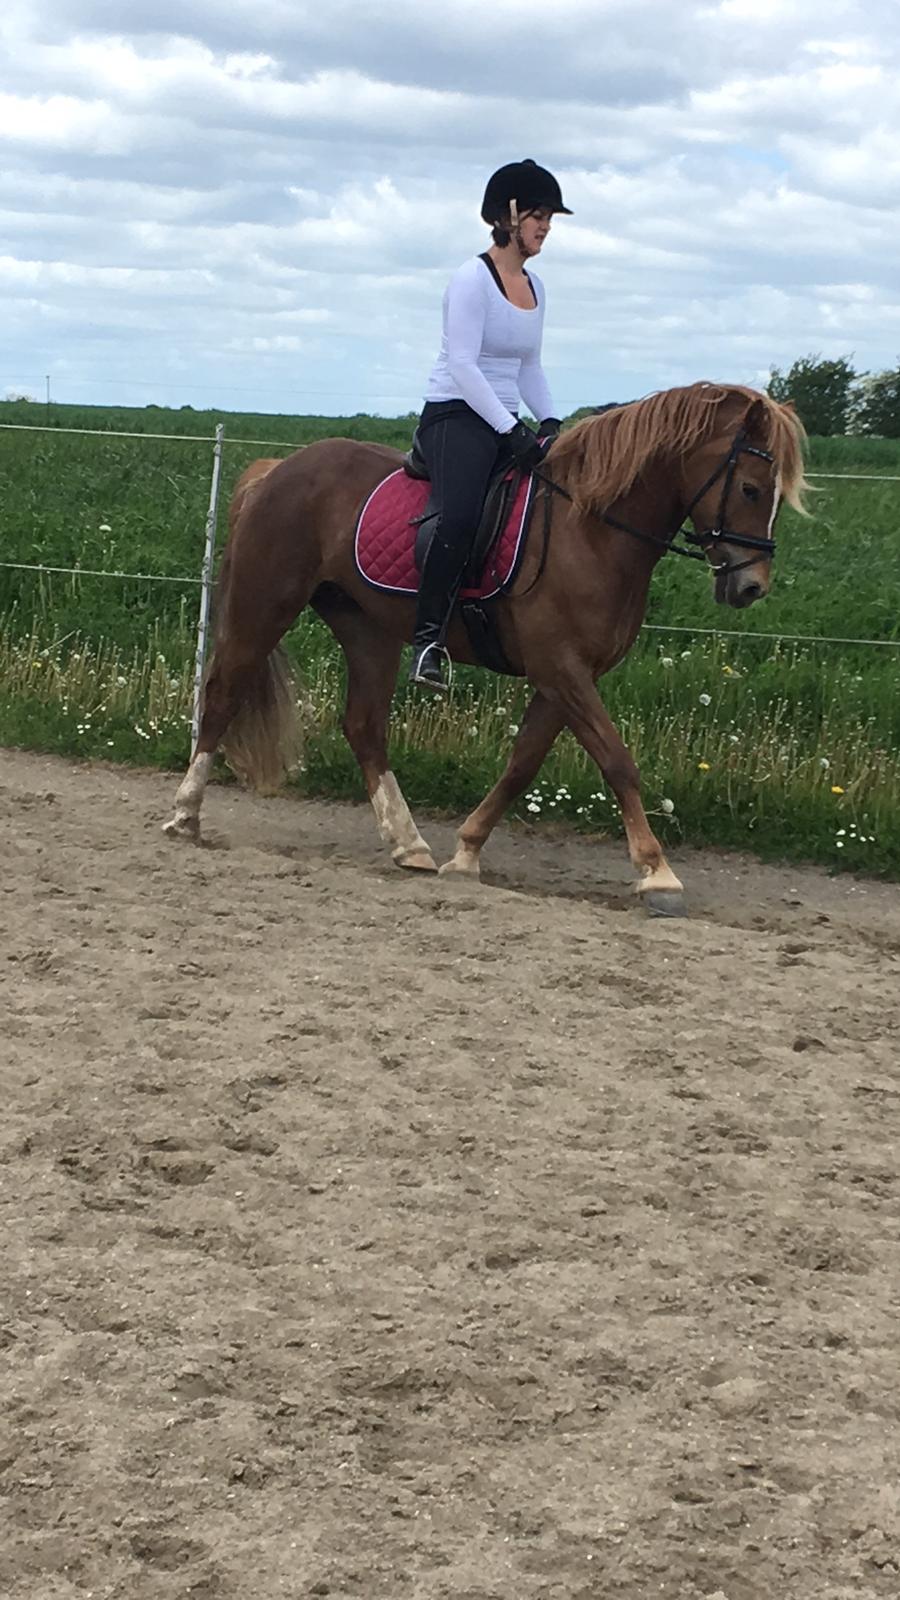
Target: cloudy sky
x=257, y=205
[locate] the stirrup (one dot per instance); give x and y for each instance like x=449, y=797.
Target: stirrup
x=430, y=672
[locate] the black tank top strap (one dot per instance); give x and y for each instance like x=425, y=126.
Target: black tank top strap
x=491, y=265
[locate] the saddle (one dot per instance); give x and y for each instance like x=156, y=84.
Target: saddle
x=499, y=499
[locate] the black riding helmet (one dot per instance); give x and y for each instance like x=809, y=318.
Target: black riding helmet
x=530, y=186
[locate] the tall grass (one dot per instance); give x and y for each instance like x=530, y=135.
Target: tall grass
x=789, y=749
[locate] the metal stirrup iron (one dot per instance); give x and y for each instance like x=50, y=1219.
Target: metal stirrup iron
x=433, y=683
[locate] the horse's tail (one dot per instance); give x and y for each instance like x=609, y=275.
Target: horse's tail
x=264, y=741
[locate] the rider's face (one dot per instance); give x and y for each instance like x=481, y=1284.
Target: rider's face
x=534, y=227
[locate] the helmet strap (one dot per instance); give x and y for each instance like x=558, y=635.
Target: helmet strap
x=516, y=218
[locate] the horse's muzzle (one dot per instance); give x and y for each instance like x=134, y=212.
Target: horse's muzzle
x=740, y=589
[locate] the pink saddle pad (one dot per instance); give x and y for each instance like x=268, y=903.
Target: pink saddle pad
x=386, y=537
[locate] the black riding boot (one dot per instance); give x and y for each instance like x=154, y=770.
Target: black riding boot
x=438, y=588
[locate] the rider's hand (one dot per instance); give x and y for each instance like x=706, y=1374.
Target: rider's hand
x=520, y=443
x=526, y=449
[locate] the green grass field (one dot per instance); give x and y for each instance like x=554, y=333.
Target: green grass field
x=790, y=749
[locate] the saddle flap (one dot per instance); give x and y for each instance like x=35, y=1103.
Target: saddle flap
x=500, y=497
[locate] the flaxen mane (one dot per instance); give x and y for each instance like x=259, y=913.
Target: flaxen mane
x=607, y=453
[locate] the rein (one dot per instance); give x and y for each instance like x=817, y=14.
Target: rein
x=708, y=539
x=550, y=488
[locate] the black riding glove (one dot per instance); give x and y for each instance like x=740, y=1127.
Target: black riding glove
x=549, y=429
x=526, y=449
x=520, y=443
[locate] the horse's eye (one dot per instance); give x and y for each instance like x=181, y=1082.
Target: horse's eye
x=749, y=491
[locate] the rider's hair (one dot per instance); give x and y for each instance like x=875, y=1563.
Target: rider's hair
x=501, y=232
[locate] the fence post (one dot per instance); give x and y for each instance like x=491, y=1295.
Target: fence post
x=209, y=555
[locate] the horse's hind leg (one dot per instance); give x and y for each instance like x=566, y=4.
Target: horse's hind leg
x=540, y=725
x=260, y=683
x=373, y=657
x=185, y=823
x=249, y=696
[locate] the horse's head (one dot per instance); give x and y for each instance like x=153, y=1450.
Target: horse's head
x=733, y=484
x=724, y=456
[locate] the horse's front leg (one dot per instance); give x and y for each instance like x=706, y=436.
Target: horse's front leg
x=584, y=712
x=540, y=725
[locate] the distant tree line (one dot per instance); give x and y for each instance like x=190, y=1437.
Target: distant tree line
x=832, y=397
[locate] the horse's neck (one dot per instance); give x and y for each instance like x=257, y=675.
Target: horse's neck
x=653, y=504
x=624, y=564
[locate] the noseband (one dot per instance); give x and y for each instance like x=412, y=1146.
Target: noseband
x=720, y=533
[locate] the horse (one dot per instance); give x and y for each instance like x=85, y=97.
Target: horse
x=617, y=488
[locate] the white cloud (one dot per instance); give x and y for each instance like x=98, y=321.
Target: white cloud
x=268, y=199
x=63, y=123
x=116, y=279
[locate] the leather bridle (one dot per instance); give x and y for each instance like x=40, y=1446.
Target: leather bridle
x=709, y=538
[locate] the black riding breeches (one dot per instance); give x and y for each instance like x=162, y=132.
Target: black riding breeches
x=462, y=451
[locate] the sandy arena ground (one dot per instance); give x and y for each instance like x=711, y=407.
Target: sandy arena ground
x=376, y=1236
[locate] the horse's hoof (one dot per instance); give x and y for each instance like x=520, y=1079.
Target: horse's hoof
x=664, y=902
x=185, y=828
x=416, y=861
x=455, y=868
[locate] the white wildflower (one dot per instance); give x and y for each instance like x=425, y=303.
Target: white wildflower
x=706, y=699
x=668, y=806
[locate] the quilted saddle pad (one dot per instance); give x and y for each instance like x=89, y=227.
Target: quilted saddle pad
x=386, y=538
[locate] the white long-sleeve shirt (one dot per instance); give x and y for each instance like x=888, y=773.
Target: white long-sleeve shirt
x=490, y=353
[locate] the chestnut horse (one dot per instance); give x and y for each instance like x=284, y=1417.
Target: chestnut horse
x=621, y=484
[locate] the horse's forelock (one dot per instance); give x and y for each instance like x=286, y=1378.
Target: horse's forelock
x=786, y=440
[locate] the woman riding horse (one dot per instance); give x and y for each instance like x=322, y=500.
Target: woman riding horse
x=489, y=360
x=617, y=489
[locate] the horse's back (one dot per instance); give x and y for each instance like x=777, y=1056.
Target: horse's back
x=354, y=463
x=342, y=459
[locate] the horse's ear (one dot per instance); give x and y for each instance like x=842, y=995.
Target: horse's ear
x=756, y=421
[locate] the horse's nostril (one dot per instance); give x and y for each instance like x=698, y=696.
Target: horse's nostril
x=749, y=593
